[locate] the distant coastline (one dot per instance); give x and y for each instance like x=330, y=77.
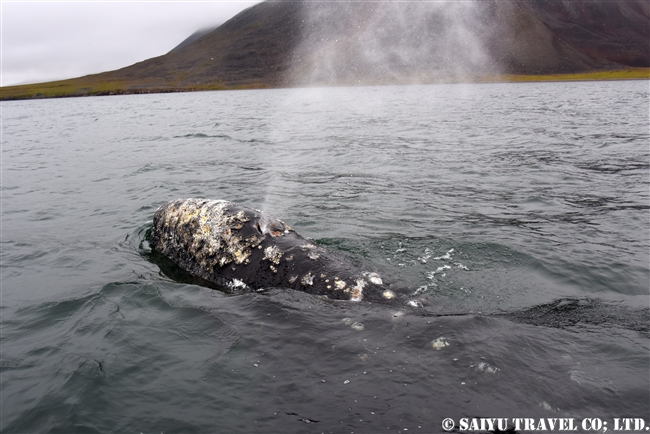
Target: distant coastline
x=91, y=86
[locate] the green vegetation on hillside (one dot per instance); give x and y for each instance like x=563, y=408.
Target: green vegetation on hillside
x=93, y=86
x=620, y=74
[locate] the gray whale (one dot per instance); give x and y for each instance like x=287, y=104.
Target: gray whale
x=229, y=244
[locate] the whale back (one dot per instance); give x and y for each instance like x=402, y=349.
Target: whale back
x=225, y=243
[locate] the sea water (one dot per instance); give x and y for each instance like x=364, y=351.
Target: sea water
x=519, y=213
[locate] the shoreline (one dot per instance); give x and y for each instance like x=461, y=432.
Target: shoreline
x=92, y=86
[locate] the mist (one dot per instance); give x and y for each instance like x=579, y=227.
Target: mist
x=412, y=42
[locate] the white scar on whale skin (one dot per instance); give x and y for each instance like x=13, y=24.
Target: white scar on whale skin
x=357, y=291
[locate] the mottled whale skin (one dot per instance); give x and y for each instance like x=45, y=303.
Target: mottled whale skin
x=226, y=243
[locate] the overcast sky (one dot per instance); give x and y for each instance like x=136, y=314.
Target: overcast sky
x=50, y=40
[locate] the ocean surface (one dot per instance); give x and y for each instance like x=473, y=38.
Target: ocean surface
x=518, y=212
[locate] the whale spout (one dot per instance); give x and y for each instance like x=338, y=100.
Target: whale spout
x=225, y=243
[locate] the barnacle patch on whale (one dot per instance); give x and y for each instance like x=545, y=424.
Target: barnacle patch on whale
x=339, y=284
x=273, y=254
x=307, y=279
x=439, y=343
x=237, y=284
x=375, y=278
x=206, y=231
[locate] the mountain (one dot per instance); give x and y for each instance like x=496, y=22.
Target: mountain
x=302, y=43
x=193, y=37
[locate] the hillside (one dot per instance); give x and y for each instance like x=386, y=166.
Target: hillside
x=276, y=44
